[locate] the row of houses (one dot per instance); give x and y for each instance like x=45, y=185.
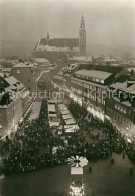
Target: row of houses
x=14, y=101
x=107, y=92
x=18, y=86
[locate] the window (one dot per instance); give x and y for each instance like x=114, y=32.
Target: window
x=18, y=71
x=115, y=106
x=124, y=110
x=0, y=126
x=97, y=80
x=90, y=87
x=102, y=81
x=127, y=124
x=93, y=79
x=121, y=109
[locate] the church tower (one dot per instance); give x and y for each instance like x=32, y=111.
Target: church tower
x=82, y=38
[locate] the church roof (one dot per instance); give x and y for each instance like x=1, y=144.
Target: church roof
x=60, y=42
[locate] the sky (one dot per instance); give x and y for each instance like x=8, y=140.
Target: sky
x=107, y=22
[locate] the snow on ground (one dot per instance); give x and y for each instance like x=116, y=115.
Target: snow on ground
x=36, y=106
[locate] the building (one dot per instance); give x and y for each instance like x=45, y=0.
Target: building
x=42, y=64
x=13, y=98
x=90, y=86
x=63, y=78
x=81, y=60
x=25, y=74
x=105, y=60
x=120, y=105
x=54, y=49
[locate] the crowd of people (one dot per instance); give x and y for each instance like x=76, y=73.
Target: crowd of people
x=106, y=143
x=31, y=147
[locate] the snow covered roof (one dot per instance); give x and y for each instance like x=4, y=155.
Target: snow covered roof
x=93, y=73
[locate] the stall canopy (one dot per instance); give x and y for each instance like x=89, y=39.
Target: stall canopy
x=70, y=121
x=52, y=101
x=67, y=116
x=51, y=108
x=65, y=112
x=55, y=124
x=52, y=115
x=71, y=130
x=62, y=107
x=70, y=126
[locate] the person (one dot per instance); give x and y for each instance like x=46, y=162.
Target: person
x=123, y=155
x=90, y=169
x=131, y=172
x=112, y=161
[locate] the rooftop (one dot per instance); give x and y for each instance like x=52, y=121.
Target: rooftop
x=6, y=69
x=21, y=64
x=41, y=60
x=94, y=73
x=11, y=80
x=13, y=84
x=124, y=86
x=127, y=103
x=60, y=42
x=81, y=58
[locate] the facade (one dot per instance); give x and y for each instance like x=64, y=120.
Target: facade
x=120, y=105
x=13, y=98
x=91, y=85
x=25, y=74
x=54, y=49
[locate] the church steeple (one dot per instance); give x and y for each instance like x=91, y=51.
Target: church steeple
x=48, y=35
x=82, y=37
x=82, y=26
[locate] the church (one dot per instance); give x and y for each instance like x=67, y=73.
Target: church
x=54, y=49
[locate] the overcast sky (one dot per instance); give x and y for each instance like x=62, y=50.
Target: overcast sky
x=107, y=22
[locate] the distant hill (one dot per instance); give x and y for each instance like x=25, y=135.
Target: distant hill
x=21, y=48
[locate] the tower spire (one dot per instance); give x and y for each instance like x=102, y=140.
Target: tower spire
x=82, y=26
x=82, y=16
x=82, y=37
x=48, y=35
